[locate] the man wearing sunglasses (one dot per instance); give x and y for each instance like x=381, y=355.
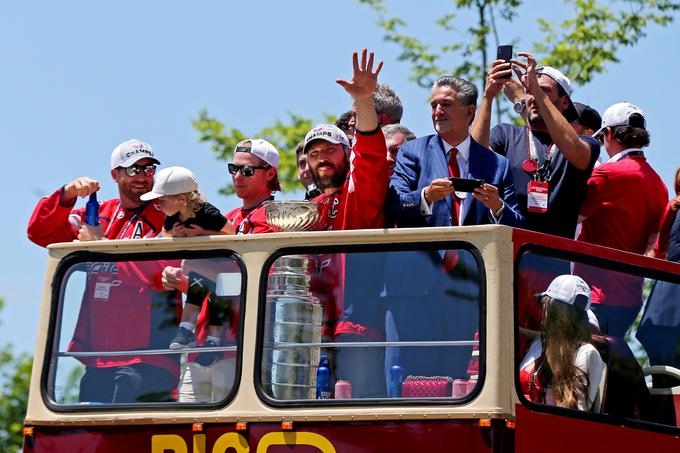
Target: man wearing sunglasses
x=255, y=178
x=124, y=306
x=133, y=166
x=210, y=375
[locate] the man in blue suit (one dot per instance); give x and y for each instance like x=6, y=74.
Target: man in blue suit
x=421, y=193
x=435, y=295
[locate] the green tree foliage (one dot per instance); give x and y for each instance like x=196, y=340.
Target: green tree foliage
x=583, y=45
x=15, y=374
x=580, y=46
x=284, y=135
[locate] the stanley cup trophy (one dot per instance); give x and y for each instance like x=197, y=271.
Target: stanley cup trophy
x=294, y=315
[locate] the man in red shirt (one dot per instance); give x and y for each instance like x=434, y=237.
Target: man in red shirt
x=255, y=177
x=142, y=307
x=133, y=166
x=354, y=182
x=623, y=207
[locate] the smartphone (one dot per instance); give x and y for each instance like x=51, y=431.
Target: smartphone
x=505, y=53
x=465, y=184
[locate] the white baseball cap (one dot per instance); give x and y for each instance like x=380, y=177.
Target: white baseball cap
x=172, y=181
x=571, y=114
x=129, y=152
x=327, y=132
x=262, y=149
x=619, y=115
x=569, y=289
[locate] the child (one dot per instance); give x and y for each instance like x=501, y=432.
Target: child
x=189, y=214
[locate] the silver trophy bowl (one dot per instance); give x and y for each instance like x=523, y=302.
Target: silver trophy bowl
x=294, y=215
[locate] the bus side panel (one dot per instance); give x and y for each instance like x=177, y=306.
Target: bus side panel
x=306, y=437
x=541, y=432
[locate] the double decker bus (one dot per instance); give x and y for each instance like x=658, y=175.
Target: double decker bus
x=453, y=335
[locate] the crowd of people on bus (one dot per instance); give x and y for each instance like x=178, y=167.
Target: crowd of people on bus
x=368, y=171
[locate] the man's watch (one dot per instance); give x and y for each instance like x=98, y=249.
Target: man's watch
x=519, y=106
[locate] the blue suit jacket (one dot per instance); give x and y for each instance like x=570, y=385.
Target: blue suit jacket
x=422, y=160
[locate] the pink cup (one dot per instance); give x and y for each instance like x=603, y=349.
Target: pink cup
x=343, y=390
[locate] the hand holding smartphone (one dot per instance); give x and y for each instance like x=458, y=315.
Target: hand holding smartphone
x=466, y=184
x=505, y=53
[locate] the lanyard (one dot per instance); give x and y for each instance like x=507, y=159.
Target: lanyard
x=531, y=165
x=138, y=211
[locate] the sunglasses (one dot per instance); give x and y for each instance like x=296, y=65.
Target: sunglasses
x=134, y=170
x=246, y=170
x=600, y=137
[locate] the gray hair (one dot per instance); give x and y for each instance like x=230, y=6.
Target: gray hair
x=467, y=91
x=392, y=129
x=386, y=101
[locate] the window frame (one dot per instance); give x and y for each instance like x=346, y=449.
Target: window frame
x=370, y=248
x=58, y=285
x=595, y=261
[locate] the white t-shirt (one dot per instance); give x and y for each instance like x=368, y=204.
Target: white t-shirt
x=587, y=360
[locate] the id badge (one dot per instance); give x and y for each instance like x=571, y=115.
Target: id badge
x=537, y=196
x=102, y=287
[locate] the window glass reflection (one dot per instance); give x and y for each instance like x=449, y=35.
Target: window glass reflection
x=631, y=322
x=118, y=324
x=372, y=325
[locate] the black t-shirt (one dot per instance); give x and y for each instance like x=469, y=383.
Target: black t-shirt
x=208, y=218
x=567, y=187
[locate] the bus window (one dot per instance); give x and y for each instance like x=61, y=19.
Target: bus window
x=631, y=323
x=371, y=324
x=122, y=338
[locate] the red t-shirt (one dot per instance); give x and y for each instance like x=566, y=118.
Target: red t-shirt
x=249, y=221
x=623, y=208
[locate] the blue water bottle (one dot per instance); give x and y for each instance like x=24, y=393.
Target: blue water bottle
x=323, y=379
x=396, y=377
x=92, y=210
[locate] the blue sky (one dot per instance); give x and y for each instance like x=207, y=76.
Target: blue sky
x=80, y=77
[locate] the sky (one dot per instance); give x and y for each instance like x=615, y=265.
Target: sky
x=80, y=77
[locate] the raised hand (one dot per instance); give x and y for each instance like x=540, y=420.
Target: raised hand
x=364, y=80
x=514, y=90
x=79, y=187
x=529, y=77
x=498, y=76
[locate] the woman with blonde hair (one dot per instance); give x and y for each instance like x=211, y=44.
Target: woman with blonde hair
x=562, y=367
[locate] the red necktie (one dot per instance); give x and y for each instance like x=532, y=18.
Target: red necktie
x=454, y=172
x=451, y=256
